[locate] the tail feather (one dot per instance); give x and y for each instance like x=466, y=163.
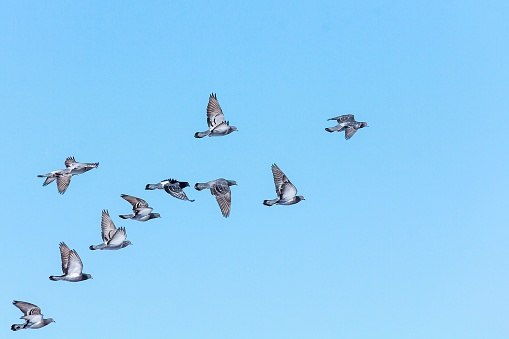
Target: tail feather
x=125, y=216
x=150, y=187
x=270, y=202
x=199, y=186
x=17, y=327
x=201, y=134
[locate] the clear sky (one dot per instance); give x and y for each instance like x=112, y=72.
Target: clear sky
x=403, y=233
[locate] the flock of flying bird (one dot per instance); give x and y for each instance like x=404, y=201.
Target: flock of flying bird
x=115, y=238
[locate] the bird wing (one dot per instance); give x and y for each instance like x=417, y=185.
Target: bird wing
x=344, y=118
x=175, y=191
x=75, y=267
x=108, y=228
x=69, y=161
x=215, y=114
x=27, y=308
x=279, y=179
x=288, y=191
x=63, y=182
x=223, y=196
x=349, y=132
x=119, y=237
x=64, y=256
x=135, y=202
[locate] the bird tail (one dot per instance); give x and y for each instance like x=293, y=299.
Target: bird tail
x=17, y=327
x=151, y=187
x=334, y=129
x=55, y=278
x=92, y=247
x=201, y=134
x=270, y=202
x=199, y=186
x=125, y=216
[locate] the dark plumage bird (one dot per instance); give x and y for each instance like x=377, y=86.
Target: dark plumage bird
x=33, y=316
x=113, y=238
x=285, y=190
x=348, y=124
x=215, y=119
x=141, y=210
x=220, y=188
x=63, y=176
x=72, y=267
x=173, y=187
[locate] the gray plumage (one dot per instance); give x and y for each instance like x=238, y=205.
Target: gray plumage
x=63, y=176
x=215, y=120
x=141, y=210
x=285, y=190
x=113, y=238
x=346, y=123
x=220, y=188
x=72, y=266
x=173, y=187
x=33, y=316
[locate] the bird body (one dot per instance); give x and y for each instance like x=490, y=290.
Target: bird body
x=220, y=188
x=215, y=119
x=285, y=190
x=141, y=210
x=32, y=315
x=113, y=238
x=173, y=187
x=348, y=124
x=72, y=266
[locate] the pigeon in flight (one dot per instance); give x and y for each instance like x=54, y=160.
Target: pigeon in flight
x=32, y=315
x=221, y=189
x=173, y=187
x=346, y=123
x=72, y=267
x=113, y=238
x=285, y=190
x=215, y=119
x=141, y=210
x=63, y=176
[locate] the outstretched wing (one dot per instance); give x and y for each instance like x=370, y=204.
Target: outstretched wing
x=27, y=308
x=65, y=252
x=224, y=198
x=136, y=202
x=108, y=228
x=63, y=182
x=119, y=237
x=349, y=132
x=344, y=118
x=280, y=179
x=75, y=267
x=175, y=191
x=69, y=161
x=215, y=114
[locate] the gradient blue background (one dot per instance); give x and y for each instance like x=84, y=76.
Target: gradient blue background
x=404, y=230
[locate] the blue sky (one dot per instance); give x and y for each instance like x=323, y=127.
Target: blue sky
x=402, y=234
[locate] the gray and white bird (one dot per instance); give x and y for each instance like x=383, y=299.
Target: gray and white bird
x=32, y=315
x=63, y=176
x=346, y=123
x=221, y=189
x=215, y=119
x=141, y=210
x=72, y=267
x=285, y=190
x=173, y=187
x=113, y=238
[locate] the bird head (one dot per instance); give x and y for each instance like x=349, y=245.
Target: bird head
x=364, y=124
x=86, y=276
x=232, y=182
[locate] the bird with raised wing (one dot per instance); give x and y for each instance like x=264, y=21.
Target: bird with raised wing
x=348, y=124
x=113, y=238
x=141, y=210
x=32, y=315
x=63, y=176
x=220, y=188
x=173, y=187
x=72, y=267
x=215, y=120
x=285, y=190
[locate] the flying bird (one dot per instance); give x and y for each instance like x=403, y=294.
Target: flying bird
x=32, y=315
x=113, y=238
x=346, y=123
x=72, y=267
x=221, y=189
x=285, y=190
x=173, y=187
x=63, y=176
x=215, y=120
x=141, y=210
